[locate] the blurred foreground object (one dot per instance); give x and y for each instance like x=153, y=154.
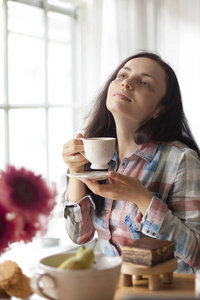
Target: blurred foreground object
x=25, y=205
x=13, y=282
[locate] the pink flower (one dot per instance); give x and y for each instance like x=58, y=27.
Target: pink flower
x=27, y=193
x=25, y=205
x=30, y=228
x=9, y=225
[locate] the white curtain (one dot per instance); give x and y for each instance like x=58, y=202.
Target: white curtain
x=111, y=30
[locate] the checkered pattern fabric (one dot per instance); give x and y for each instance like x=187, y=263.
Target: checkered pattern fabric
x=171, y=172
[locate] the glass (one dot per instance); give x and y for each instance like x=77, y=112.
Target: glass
x=26, y=70
x=25, y=19
x=28, y=139
x=39, y=69
x=2, y=135
x=60, y=131
x=59, y=27
x=59, y=73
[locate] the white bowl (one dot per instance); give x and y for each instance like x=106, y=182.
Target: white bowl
x=98, y=283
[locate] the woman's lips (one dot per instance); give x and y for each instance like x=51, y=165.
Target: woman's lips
x=122, y=95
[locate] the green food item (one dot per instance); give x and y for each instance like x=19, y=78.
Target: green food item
x=82, y=260
x=80, y=250
x=64, y=264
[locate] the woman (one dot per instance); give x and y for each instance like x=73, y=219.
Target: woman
x=154, y=183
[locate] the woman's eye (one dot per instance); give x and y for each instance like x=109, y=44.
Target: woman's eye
x=144, y=83
x=122, y=76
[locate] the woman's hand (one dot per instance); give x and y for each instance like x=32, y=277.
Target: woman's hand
x=123, y=188
x=72, y=155
x=75, y=160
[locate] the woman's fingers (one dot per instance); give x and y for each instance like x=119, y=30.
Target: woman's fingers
x=124, y=189
x=79, y=135
x=71, y=148
x=72, y=154
x=112, y=190
x=121, y=179
x=120, y=187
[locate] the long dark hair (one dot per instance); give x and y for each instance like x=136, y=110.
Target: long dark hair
x=170, y=125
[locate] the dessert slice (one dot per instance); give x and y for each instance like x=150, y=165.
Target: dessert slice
x=148, y=251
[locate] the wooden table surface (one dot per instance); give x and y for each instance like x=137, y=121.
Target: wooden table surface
x=183, y=286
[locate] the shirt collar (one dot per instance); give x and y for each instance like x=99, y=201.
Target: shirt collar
x=146, y=151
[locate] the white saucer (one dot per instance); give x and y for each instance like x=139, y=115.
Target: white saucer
x=94, y=175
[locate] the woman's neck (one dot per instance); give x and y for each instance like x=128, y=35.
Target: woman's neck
x=125, y=130
x=126, y=143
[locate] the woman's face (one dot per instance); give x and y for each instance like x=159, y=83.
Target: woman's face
x=134, y=96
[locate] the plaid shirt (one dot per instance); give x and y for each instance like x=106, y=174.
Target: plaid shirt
x=171, y=172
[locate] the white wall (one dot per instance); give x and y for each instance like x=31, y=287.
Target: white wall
x=111, y=30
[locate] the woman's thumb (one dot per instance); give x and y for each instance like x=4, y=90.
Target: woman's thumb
x=118, y=177
x=79, y=135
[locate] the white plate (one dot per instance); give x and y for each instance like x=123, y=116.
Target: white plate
x=94, y=175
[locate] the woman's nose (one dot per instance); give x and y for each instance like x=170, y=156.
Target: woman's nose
x=127, y=83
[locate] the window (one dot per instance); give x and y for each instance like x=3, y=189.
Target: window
x=37, y=102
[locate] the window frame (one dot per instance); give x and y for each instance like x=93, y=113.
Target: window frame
x=6, y=106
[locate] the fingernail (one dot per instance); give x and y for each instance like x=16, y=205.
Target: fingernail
x=112, y=174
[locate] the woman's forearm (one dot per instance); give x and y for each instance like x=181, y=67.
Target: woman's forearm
x=76, y=190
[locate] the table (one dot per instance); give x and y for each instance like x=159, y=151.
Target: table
x=181, y=287
x=27, y=256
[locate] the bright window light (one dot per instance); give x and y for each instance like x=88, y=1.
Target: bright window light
x=37, y=110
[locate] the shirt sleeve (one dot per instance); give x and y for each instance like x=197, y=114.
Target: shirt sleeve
x=78, y=219
x=179, y=218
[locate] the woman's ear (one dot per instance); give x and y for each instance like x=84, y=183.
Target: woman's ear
x=159, y=111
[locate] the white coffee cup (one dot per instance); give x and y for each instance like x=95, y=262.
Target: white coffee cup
x=99, y=151
x=97, y=283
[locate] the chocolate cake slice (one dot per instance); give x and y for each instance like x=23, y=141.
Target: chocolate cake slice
x=148, y=251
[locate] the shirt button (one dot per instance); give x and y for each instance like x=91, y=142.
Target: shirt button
x=107, y=211
x=148, y=231
x=153, y=233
